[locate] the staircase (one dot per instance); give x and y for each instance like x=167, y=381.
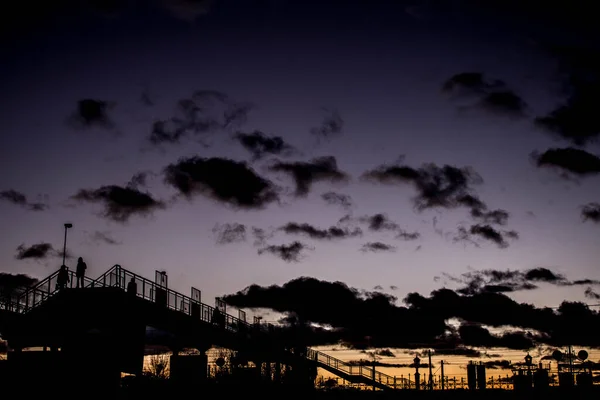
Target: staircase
x=355, y=373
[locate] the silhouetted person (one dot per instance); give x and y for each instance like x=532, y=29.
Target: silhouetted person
x=80, y=271
x=217, y=317
x=132, y=287
x=63, y=278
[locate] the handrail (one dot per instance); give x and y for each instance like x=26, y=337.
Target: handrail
x=349, y=369
x=118, y=276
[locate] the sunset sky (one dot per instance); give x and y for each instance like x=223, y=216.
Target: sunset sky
x=394, y=146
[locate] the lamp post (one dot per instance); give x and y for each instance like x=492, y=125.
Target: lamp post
x=67, y=226
x=417, y=362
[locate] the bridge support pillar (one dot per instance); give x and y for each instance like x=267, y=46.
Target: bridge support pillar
x=277, y=373
x=189, y=369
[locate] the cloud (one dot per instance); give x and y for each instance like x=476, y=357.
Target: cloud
x=120, y=203
x=92, y=113
x=206, y=111
x=287, y=252
x=330, y=233
x=486, y=232
x=306, y=173
x=188, y=10
x=230, y=233
x=591, y=211
x=332, y=125
x=376, y=247
x=575, y=118
x=569, y=160
x=498, y=281
x=39, y=251
x=259, y=144
x=444, y=187
x=221, y=179
x=260, y=236
x=471, y=82
x=381, y=222
x=492, y=95
x=139, y=180
x=104, y=237
x=19, y=199
x=591, y=294
x=505, y=102
x=353, y=314
x=13, y=284
x=339, y=199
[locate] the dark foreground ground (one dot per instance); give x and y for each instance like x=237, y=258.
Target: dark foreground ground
x=289, y=393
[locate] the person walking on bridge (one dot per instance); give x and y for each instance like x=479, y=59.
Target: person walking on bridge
x=63, y=277
x=80, y=271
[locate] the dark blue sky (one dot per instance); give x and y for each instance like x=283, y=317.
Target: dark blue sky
x=361, y=81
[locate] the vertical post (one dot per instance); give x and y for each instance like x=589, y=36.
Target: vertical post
x=373, y=374
x=430, y=371
x=442, y=373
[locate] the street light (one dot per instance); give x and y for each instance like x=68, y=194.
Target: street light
x=67, y=226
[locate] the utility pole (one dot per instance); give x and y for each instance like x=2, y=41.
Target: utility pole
x=430, y=372
x=442, y=373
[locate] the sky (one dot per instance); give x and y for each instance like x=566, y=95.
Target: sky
x=394, y=146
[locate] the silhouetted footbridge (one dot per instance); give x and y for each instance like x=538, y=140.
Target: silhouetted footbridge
x=105, y=320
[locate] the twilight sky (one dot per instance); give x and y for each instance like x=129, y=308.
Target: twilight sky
x=398, y=144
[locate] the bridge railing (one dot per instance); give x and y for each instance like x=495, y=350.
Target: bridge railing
x=35, y=295
x=349, y=369
x=146, y=289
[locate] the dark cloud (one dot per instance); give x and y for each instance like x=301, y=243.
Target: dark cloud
x=221, y=179
x=471, y=82
x=188, y=10
x=354, y=314
x=206, y=111
x=591, y=294
x=306, y=173
x=260, y=236
x=591, y=211
x=330, y=233
x=497, y=281
x=376, y=247
x=342, y=200
x=14, y=284
x=457, y=351
x=92, y=113
x=476, y=335
x=444, y=187
x=384, y=353
x=259, y=144
x=332, y=125
x=19, y=199
x=230, y=233
x=498, y=364
x=575, y=119
x=139, y=180
x=485, y=232
x=287, y=252
x=120, y=203
x=39, y=251
x=504, y=102
x=492, y=95
x=381, y=222
x=569, y=160
x=105, y=238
